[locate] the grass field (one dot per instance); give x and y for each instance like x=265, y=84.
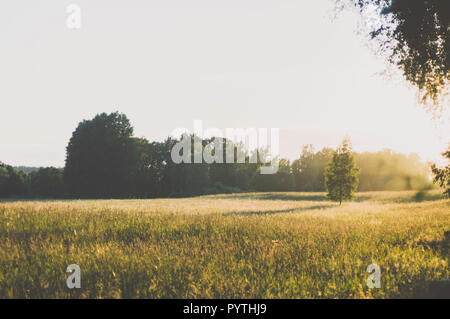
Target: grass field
x=259, y=245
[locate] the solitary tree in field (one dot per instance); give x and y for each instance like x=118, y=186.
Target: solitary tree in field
x=341, y=175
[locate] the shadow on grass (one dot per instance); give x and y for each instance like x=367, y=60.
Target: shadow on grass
x=435, y=289
x=278, y=196
x=50, y=200
x=14, y=200
x=281, y=211
x=314, y=197
x=424, y=196
x=361, y=198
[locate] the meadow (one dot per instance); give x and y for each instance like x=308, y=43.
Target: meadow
x=250, y=245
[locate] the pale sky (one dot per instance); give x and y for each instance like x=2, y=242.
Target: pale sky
x=230, y=63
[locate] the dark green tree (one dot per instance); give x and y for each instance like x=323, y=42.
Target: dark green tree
x=101, y=158
x=309, y=169
x=47, y=183
x=303, y=171
x=12, y=182
x=281, y=181
x=341, y=175
x=184, y=179
x=3, y=177
x=149, y=172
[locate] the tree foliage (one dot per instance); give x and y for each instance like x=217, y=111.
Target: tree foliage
x=281, y=181
x=104, y=160
x=101, y=157
x=47, y=182
x=442, y=175
x=309, y=169
x=415, y=36
x=12, y=182
x=341, y=175
x=386, y=170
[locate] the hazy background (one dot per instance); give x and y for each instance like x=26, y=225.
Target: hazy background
x=229, y=63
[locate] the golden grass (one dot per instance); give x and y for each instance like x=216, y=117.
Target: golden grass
x=252, y=245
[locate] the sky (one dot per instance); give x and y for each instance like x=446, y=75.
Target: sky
x=230, y=63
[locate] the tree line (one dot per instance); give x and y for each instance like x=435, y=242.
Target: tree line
x=105, y=160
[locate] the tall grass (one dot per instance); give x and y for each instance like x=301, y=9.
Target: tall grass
x=271, y=245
